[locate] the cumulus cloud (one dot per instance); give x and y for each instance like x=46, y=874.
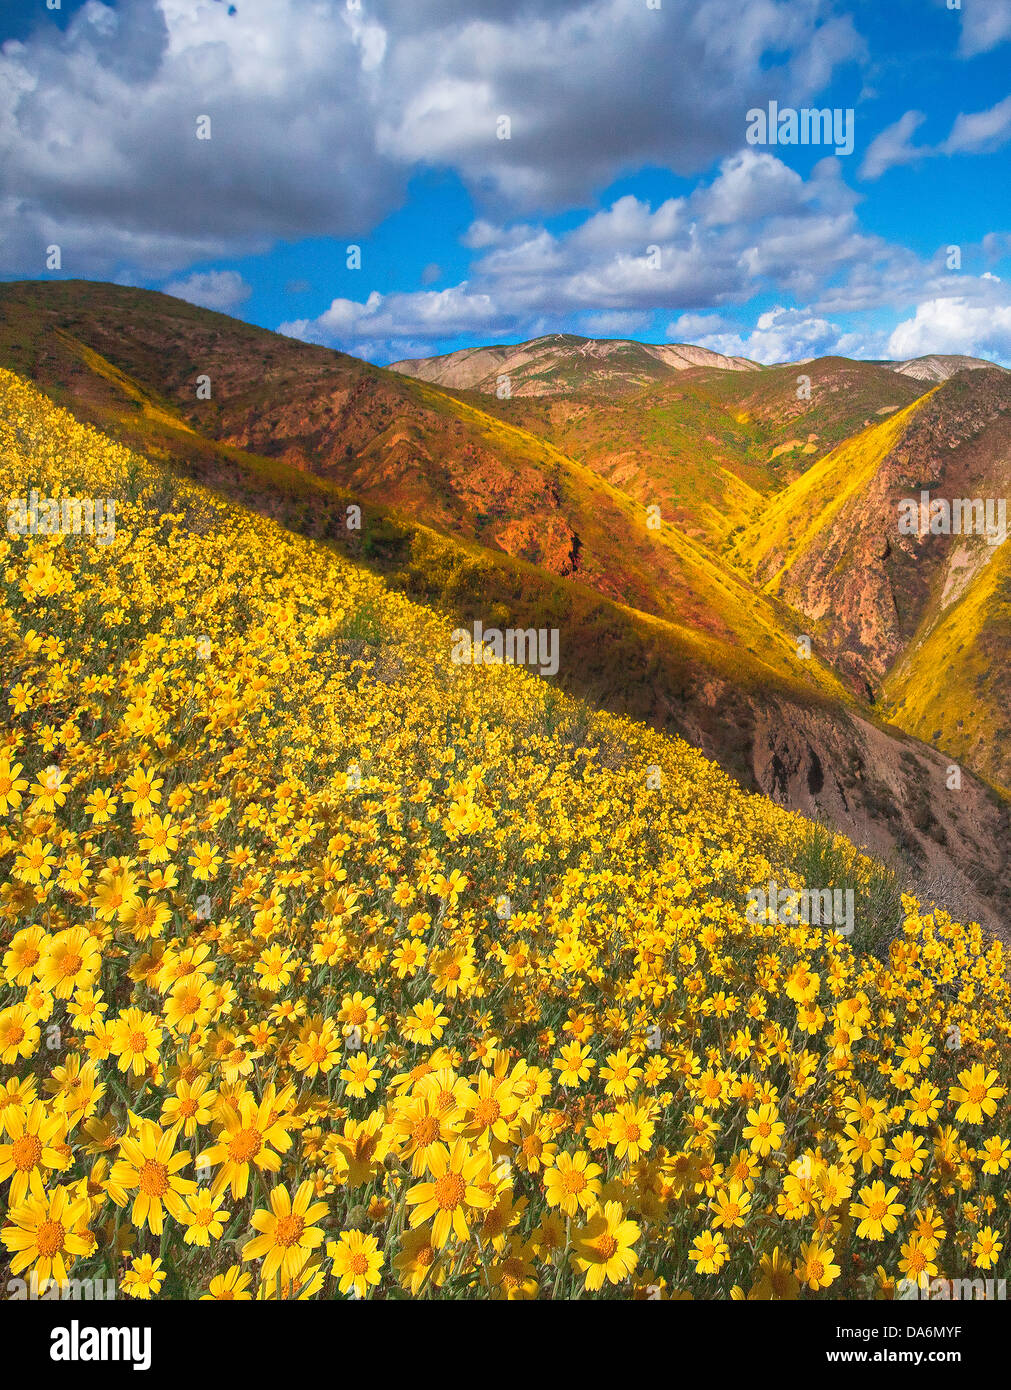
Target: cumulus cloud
x=755, y=226
x=99, y=125
x=958, y=325
x=780, y=335
x=560, y=76
x=425, y=314
x=319, y=114
x=223, y=290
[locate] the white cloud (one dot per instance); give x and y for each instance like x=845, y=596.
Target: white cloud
x=223, y=290
x=978, y=132
x=751, y=186
x=981, y=131
x=985, y=24
x=957, y=325
x=780, y=335
x=424, y=314
x=320, y=114
x=893, y=146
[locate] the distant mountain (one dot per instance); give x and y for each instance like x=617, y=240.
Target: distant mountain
x=565, y=362
x=938, y=368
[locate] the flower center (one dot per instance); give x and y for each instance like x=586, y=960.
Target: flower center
x=449, y=1191
x=244, y=1145
x=49, y=1238
x=289, y=1230
x=426, y=1130
x=26, y=1151
x=154, y=1178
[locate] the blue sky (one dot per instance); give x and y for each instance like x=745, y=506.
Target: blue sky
x=627, y=200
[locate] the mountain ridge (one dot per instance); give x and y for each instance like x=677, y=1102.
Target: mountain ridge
x=563, y=363
x=537, y=367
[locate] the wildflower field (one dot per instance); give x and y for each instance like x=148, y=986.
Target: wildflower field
x=333, y=969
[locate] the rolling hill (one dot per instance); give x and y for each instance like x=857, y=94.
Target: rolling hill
x=938, y=367
x=709, y=445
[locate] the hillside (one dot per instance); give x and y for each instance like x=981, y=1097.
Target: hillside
x=937, y=367
x=564, y=362
x=480, y=517
x=830, y=546
x=708, y=446
x=122, y=355
x=364, y=972
x=951, y=686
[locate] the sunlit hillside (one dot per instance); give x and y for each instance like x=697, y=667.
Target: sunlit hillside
x=921, y=617
x=333, y=967
x=709, y=445
x=950, y=685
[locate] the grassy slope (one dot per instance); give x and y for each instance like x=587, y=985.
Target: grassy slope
x=941, y=689
x=249, y=671
x=791, y=523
